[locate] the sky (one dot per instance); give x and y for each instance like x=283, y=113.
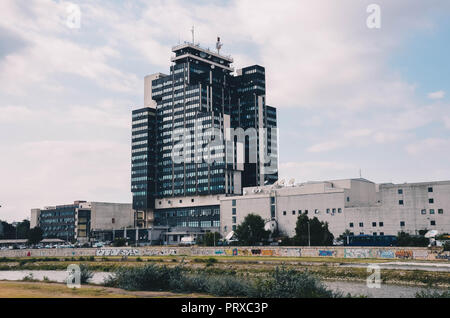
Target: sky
x=350, y=98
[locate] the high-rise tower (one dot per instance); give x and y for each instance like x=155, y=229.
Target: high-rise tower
x=209, y=134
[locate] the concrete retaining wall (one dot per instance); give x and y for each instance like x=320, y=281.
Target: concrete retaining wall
x=341, y=252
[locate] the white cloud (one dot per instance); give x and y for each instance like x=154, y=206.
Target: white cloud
x=429, y=147
x=436, y=95
x=317, y=170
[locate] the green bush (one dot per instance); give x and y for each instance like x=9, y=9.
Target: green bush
x=281, y=283
x=86, y=274
x=433, y=294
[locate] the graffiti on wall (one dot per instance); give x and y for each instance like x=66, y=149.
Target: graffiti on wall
x=290, y=252
x=386, y=254
x=359, y=253
x=118, y=252
x=443, y=255
x=327, y=253
x=420, y=254
x=404, y=254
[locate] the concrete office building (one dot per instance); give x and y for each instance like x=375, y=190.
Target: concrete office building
x=79, y=221
x=357, y=205
x=205, y=133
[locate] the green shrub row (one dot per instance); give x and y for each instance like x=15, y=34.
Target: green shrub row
x=280, y=283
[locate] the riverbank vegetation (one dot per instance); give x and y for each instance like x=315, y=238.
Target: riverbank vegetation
x=279, y=283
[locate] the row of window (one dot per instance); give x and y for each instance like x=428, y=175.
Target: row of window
x=430, y=190
x=432, y=211
x=316, y=211
x=402, y=202
x=381, y=224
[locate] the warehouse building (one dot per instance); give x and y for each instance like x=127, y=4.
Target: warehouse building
x=357, y=205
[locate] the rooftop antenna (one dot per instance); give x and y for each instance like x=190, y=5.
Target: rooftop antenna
x=193, y=35
x=218, y=45
x=360, y=173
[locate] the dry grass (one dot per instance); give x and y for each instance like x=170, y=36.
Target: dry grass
x=52, y=290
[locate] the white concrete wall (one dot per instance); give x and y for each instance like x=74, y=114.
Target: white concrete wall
x=103, y=213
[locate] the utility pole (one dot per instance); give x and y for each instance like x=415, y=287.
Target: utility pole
x=309, y=235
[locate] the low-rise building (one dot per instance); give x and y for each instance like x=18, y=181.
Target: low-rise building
x=357, y=205
x=79, y=221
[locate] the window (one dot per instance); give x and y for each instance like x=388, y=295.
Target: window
x=233, y=203
x=234, y=227
x=234, y=220
x=113, y=220
x=299, y=212
x=181, y=201
x=328, y=211
x=441, y=211
x=374, y=233
x=400, y=202
x=306, y=212
x=316, y=211
x=431, y=201
x=234, y=211
x=381, y=233
x=381, y=224
x=433, y=223
x=351, y=224
x=402, y=223
x=361, y=224
x=284, y=212
x=334, y=211
x=430, y=189
x=423, y=212
x=339, y=210
x=348, y=199
x=374, y=224
x=272, y=200
x=293, y=212
x=400, y=191
x=272, y=211
x=192, y=200
x=431, y=211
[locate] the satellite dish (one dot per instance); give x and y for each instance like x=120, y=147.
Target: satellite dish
x=229, y=236
x=431, y=233
x=291, y=182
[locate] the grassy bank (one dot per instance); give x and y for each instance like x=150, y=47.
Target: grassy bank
x=53, y=290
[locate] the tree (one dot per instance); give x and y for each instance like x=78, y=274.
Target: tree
x=8, y=232
x=252, y=231
x=35, y=236
x=22, y=229
x=343, y=237
x=210, y=239
x=406, y=240
x=312, y=231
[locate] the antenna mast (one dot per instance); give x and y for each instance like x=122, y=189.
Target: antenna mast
x=218, y=45
x=193, y=35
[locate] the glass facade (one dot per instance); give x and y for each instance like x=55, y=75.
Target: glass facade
x=65, y=222
x=143, y=158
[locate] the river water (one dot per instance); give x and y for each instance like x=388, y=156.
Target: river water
x=354, y=288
